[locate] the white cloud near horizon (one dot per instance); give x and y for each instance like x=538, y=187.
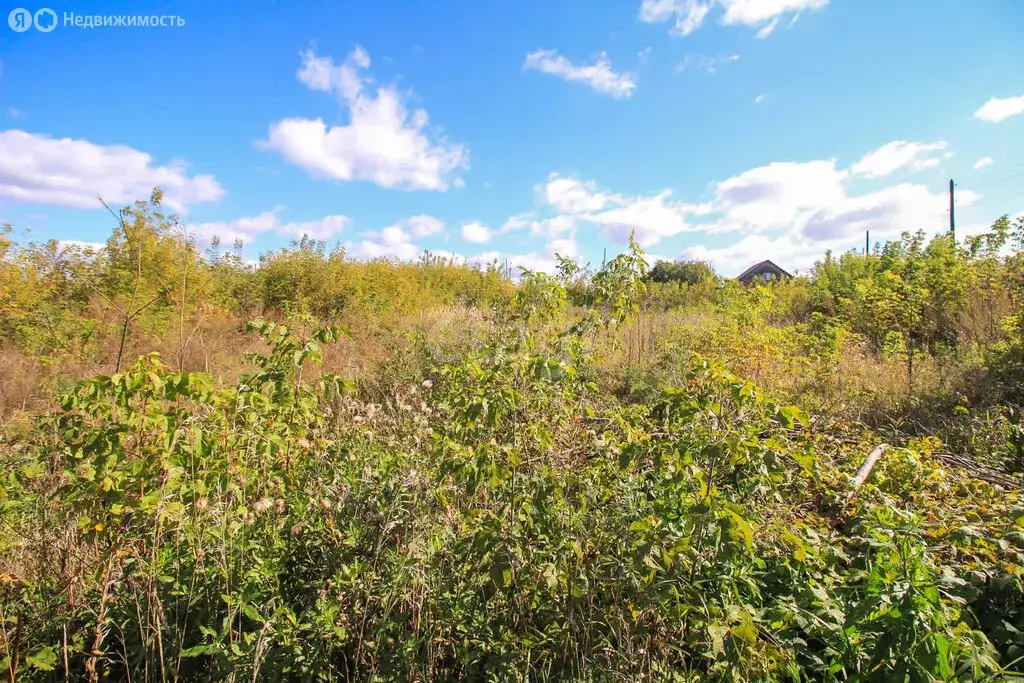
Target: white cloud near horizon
x=792, y=210
x=600, y=75
x=79, y=244
x=396, y=241
x=542, y=260
x=421, y=226
x=476, y=232
x=898, y=154
x=39, y=169
x=652, y=217
x=248, y=228
x=382, y=142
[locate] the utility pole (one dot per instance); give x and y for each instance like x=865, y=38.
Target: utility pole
x=604, y=257
x=867, y=242
x=952, y=221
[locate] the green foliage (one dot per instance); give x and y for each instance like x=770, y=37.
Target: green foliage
x=688, y=272
x=490, y=510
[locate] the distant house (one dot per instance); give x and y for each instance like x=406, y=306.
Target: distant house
x=765, y=270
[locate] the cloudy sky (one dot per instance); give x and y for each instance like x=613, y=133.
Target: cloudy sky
x=726, y=130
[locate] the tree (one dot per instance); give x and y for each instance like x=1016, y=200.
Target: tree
x=688, y=272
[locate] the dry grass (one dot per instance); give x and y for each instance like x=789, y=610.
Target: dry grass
x=218, y=347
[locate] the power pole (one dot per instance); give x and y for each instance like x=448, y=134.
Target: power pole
x=952, y=221
x=604, y=257
x=867, y=242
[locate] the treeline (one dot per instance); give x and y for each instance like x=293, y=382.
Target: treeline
x=152, y=281
x=953, y=307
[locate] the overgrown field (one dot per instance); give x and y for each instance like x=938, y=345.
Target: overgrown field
x=320, y=469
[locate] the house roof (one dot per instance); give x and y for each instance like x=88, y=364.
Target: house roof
x=760, y=268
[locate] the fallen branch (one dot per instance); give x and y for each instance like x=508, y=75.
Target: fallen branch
x=964, y=464
x=865, y=470
x=976, y=470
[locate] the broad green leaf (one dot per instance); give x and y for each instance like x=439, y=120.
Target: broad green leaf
x=501, y=575
x=44, y=659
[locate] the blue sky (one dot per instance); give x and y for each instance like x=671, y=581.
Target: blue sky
x=727, y=130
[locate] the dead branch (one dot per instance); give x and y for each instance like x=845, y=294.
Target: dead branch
x=865, y=470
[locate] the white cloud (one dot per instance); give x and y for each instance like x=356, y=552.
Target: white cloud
x=382, y=142
x=542, y=260
x=247, y=229
x=760, y=98
x=767, y=29
x=569, y=195
x=793, y=212
x=983, y=162
x=653, y=217
x=840, y=227
x=38, y=169
x=886, y=212
x=759, y=12
x=735, y=258
x=476, y=232
x=15, y=113
x=549, y=228
x=689, y=15
x=998, y=109
x=553, y=228
x=320, y=73
x=322, y=229
x=898, y=154
x=396, y=240
x=518, y=222
x=84, y=246
x=789, y=211
x=421, y=226
x=600, y=76
x=811, y=199
x=921, y=164
x=775, y=196
x=705, y=63
x=379, y=245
